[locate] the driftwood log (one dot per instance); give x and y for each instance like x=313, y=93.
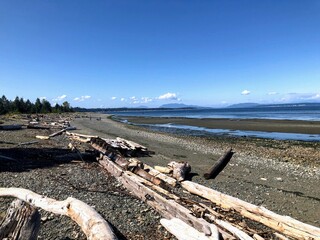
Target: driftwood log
x=283, y=224
x=167, y=207
x=219, y=165
x=183, y=231
x=22, y=222
x=180, y=170
x=11, y=127
x=91, y=223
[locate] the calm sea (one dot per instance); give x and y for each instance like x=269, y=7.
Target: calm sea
x=289, y=112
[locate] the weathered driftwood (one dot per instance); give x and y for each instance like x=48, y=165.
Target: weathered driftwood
x=22, y=222
x=219, y=165
x=11, y=127
x=36, y=126
x=183, y=231
x=28, y=143
x=283, y=224
x=228, y=226
x=103, y=147
x=180, y=170
x=91, y=223
x=62, y=131
x=171, y=181
x=163, y=169
x=131, y=144
x=154, y=186
x=43, y=137
x=168, y=208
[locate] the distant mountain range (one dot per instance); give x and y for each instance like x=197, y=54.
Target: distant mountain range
x=244, y=105
x=251, y=105
x=178, y=105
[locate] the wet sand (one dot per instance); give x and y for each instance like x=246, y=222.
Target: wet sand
x=264, y=125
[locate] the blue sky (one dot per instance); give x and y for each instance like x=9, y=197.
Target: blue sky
x=130, y=53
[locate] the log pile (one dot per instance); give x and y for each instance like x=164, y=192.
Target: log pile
x=159, y=190
x=189, y=210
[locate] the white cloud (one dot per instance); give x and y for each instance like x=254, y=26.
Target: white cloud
x=41, y=98
x=245, y=92
x=59, y=98
x=123, y=100
x=133, y=98
x=146, y=100
x=272, y=93
x=113, y=98
x=82, y=98
x=300, y=97
x=168, y=96
x=316, y=96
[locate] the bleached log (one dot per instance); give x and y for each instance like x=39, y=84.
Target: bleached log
x=180, y=170
x=80, y=135
x=171, y=181
x=257, y=237
x=22, y=222
x=163, y=169
x=43, y=137
x=281, y=237
x=228, y=226
x=153, y=186
x=183, y=231
x=283, y=224
x=91, y=223
x=133, y=145
x=168, y=208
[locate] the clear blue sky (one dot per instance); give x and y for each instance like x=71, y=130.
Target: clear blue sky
x=130, y=53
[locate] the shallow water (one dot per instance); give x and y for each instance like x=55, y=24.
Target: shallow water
x=202, y=131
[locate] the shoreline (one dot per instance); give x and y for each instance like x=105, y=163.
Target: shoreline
x=276, y=174
x=261, y=125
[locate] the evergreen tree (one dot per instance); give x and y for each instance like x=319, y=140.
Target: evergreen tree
x=18, y=105
x=46, y=106
x=37, y=106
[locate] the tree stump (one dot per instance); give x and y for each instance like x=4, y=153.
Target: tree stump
x=22, y=222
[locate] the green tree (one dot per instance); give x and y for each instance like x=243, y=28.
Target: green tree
x=66, y=107
x=46, y=106
x=37, y=106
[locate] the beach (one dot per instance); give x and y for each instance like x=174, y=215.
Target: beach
x=282, y=176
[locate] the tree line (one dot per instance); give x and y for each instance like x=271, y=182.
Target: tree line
x=19, y=105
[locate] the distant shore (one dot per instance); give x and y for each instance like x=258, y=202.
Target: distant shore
x=264, y=125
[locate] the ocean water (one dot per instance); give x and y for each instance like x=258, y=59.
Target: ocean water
x=280, y=112
x=290, y=112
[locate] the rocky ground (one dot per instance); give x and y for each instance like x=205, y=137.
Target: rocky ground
x=46, y=168
x=263, y=172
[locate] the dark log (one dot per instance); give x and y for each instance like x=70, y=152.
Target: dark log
x=22, y=222
x=62, y=131
x=33, y=126
x=11, y=127
x=219, y=165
